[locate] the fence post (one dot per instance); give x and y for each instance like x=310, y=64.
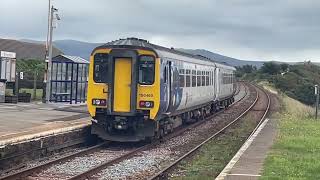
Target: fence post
x=316, y=92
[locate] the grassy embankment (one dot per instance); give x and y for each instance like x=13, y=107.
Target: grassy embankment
x=296, y=151
x=213, y=156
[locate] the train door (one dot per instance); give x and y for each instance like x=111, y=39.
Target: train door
x=166, y=83
x=170, y=83
x=122, y=85
x=217, y=82
x=214, y=83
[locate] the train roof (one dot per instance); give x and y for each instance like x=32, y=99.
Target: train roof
x=159, y=50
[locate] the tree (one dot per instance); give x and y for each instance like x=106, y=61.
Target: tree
x=270, y=68
x=284, y=67
x=34, y=67
x=245, y=69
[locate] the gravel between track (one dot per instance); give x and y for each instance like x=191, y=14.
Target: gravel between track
x=145, y=164
x=81, y=164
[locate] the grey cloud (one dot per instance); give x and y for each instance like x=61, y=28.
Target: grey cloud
x=282, y=29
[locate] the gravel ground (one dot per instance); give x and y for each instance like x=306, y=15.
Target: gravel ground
x=80, y=164
x=150, y=161
x=252, y=117
x=145, y=163
x=34, y=163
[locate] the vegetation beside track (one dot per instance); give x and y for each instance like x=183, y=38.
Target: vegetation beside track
x=296, y=151
x=210, y=160
x=296, y=81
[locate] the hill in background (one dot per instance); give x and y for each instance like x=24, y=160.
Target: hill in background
x=26, y=50
x=70, y=47
x=221, y=58
x=84, y=49
x=76, y=48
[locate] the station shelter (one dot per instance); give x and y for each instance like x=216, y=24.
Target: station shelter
x=7, y=71
x=69, y=79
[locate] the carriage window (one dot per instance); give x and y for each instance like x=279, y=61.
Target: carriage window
x=181, y=77
x=100, y=68
x=199, y=78
x=188, y=79
x=146, y=70
x=165, y=74
x=203, y=79
x=194, y=78
x=207, y=78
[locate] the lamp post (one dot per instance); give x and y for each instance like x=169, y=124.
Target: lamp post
x=52, y=12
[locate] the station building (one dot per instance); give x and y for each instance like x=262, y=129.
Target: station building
x=69, y=79
x=7, y=71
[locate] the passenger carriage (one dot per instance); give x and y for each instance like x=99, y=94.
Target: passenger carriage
x=138, y=90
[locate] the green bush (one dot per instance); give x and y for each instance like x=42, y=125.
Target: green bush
x=297, y=81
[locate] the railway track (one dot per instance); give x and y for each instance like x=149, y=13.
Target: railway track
x=238, y=89
x=47, y=170
x=88, y=174
x=162, y=174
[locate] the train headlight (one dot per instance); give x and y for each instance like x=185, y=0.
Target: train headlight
x=146, y=104
x=99, y=102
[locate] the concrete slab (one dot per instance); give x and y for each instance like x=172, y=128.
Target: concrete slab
x=248, y=162
x=43, y=130
x=28, y=118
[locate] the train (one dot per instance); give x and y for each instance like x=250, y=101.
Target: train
x=139, y=91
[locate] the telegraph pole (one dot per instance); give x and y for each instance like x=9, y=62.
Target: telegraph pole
x=51, y=19
x=48, y=29
x=316, y=92
x=45, y=79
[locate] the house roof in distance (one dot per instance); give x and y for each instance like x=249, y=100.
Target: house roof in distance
x=66, y=58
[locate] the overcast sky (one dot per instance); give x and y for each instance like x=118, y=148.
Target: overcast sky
x=285, y=30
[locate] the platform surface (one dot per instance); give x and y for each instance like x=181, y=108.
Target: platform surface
x=248, y=164
x=31, y=118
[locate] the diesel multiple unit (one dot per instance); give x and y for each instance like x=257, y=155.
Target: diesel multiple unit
x=139, y=91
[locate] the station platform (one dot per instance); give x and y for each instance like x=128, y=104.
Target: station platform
x=26, y=121
x=247, y=164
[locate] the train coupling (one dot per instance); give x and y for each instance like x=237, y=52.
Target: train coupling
x=121, y=123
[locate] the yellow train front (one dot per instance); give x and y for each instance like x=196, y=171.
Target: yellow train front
x=123, y=92
x=139, y=91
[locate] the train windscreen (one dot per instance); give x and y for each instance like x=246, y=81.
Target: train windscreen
x=146, y=70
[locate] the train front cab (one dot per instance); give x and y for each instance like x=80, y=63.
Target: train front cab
x=124, y=93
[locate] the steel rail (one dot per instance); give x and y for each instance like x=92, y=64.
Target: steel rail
x=31, y=170
x=265, y=113
x=238, y=89
x=90, y=172
x=167, y=168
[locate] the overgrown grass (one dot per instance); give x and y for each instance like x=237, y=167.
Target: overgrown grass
x=296, y=152
x=213, y=156
x=268, y=86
